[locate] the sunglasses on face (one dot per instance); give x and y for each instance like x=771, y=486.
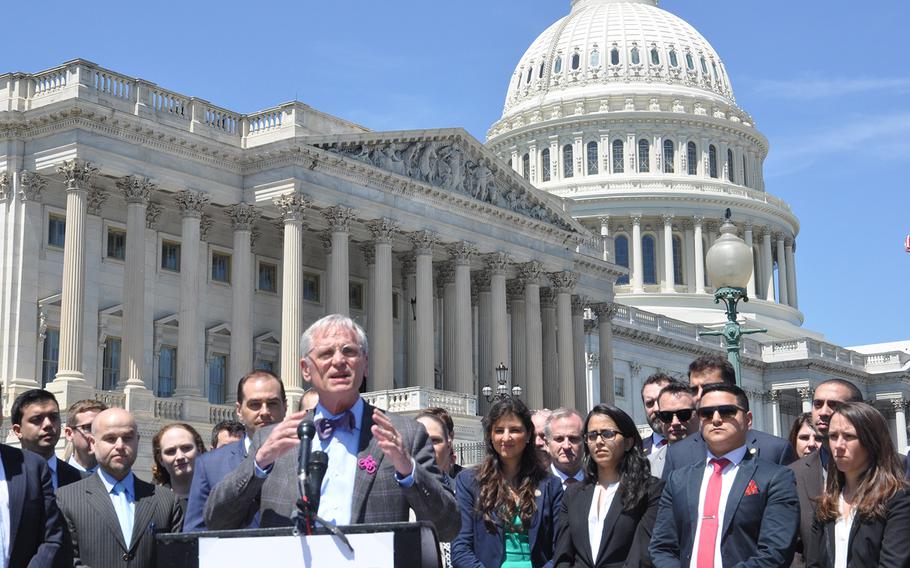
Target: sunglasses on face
x=725, y=411
x=605, y=435
x=683, y=414
x=819, y=403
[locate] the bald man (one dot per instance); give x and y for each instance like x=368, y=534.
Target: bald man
x=112, y=515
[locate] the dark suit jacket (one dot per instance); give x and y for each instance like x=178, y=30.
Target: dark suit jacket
x=758, y=530
x=209, y=469
x=873, y=542
x=36, y=525
x=808, y=472
x=692, y=450
x=67, y=474
x=625, y=536
x=95, y=531
x=476, y=547
x=647, y=444
x=378, y=497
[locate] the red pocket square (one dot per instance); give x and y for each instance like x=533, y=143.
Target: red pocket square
x=752, y=489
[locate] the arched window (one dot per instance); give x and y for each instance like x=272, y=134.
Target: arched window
x=618, y=157
x=540, y=71
x=528, y=80
x=691, y=159
x=518, y=80
x=568, y=158
x=655, y=56
x=745, y=174
x=677, y=261
x=704, y=66
x=644, y=156
x=712, y=161
x=576, y=61
x=594, y=61
x=674, y=62
x=636, y=59
x=690, y=63
x=545, y=164
x=592, y=158
x=614, y=56
x=557, y=65
x=669, y=156
x=621, y=249
x=526, y=167
x=714, y=68
x=648, y=257
x=730, y=165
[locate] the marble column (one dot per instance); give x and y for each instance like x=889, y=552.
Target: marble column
x=900, y=423
x=409, y=311
x=529, y=274
x=606, y=240
x=515, y=291
x=423, y=251
x=775, y=412
x=550, y=356
x=78, y=175
x=750, y=288
x=481, y=283
x=462, y=379
x=445, y=280
x=604, y=312
x=292, y=207
x=563, y=284
x=243, y=216
x=782, y=272
x=791, y=272
x=768, y=264
x=498, y=264
x=382, y=326
x=325, y=239
x=190, y=375
x=699, y=255
x=339, y=219
x=137, y=192
x=805, y=395
x=669, y=273
x=638, y=286
x=579, y=304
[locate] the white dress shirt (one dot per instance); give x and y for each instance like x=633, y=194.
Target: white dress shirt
x=727, y=477
x=5, y=544
x=579, y=476
x=600, y=505
x=842, y=527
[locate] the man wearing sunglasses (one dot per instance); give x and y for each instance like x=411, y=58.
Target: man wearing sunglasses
x=811, y=470
x=730, y=508
x=715, y=369
x=676, y=413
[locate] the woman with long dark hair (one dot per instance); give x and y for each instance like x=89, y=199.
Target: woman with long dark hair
x=606, y=521
x=509, y=503
x=863, y=517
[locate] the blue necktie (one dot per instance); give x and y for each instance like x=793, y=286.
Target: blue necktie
x=124, y=510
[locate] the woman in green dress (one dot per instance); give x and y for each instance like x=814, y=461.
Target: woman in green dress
x=509, y=503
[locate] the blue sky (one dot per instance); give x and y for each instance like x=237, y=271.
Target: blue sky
x=825, y=81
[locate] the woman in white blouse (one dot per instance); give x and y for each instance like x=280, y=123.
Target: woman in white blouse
x=863, y=518
x=606, y=521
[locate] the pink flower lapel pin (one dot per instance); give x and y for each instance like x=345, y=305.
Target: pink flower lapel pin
x=368, y=464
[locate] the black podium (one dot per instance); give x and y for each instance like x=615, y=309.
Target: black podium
x=398, y=545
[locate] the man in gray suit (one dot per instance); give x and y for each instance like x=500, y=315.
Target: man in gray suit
x=112, y=515
x=380, y=465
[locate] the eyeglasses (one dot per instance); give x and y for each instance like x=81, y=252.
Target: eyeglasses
x=819, y=403
x=725, y=411
x=683, y=414
x=85, y=429
x=327, y=353
x=604, y=435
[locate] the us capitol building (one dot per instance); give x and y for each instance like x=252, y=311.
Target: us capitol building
x=156, y=247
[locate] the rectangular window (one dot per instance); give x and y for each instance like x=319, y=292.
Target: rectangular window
x=355, y=294
x=221, y=267
x=116, y=243
x=268, y=277
x=170, y=256
x=56, y=230
x=51, y=356
x=310, y=287
x=265, y=365
x=110, y=365
x=217, y=373
x=619, y=387
x=167, y=371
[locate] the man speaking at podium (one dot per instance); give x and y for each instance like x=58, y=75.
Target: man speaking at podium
x=380, y=465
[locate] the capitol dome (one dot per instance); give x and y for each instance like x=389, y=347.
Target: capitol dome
x=626, y=112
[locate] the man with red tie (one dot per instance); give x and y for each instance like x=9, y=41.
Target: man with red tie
x=732, y=509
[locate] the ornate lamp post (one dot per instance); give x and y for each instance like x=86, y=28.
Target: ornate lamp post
x=502, y=386
x=729, y=266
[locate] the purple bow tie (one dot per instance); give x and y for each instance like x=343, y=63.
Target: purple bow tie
x=325, y=427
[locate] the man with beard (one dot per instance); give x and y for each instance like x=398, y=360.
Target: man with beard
x=649, y=391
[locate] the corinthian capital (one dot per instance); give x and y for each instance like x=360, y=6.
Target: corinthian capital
x=564, y=282
x=368, y=250
x=292, y=206
x=31, y=185
x=498, y=262
x=604, y=310
x=96, y=199
x=530, y=272
x=136, y=189
x=243, y=216
x=206, y=222
x=382, y=230
x=191, y=203
x=423, y=241
x=78, y=173
x=4, y=185
x=579, y=305
x=152, y=212
x=461, y=252
x=339, y=218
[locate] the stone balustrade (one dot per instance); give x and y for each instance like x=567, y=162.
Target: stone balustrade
x=470, y=453
x=412, y=399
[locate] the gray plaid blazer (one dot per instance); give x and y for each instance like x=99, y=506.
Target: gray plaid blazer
x=378, y=498
x=95, y=531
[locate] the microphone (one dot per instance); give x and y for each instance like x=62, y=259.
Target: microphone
x=319, y=463
x=305, y=431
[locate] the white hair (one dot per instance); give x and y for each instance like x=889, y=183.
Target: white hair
x=333, y=321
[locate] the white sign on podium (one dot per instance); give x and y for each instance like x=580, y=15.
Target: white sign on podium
x=371, y=550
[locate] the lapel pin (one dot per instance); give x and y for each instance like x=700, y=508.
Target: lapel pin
x=368, y=464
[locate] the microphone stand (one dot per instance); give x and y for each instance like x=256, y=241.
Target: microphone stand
x=306, y=517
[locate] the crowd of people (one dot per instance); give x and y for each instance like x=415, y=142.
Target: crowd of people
x=561, y=488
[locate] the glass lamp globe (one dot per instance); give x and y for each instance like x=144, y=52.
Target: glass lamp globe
x=516, y=391
x=729, y=260
x=487, y=391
